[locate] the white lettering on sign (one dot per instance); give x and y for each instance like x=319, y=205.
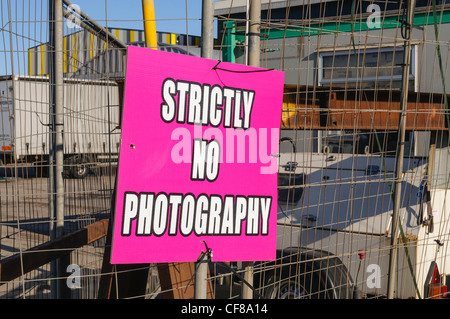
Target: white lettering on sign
x=206, y=105
x=201, y=104
x=206, y=159
x=159, y=214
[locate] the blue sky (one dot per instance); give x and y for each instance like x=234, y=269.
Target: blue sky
x=30, y=23
x=170, y=14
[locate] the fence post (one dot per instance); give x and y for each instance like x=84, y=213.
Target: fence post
x=253, y=60
x=56, y=152
x=400, y=150
x=201, y=266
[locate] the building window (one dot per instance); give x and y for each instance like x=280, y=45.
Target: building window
x=369, y=142
x=365, y=68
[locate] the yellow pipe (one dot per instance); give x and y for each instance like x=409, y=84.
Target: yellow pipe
x=65, y=54
x=148, y=9
x=74, y=52
x=91, y=46
x=30, y=62
x=42, y=59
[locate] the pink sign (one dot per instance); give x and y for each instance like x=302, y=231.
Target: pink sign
x=197, y=161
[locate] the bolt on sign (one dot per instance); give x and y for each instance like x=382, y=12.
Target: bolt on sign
x=198, y=160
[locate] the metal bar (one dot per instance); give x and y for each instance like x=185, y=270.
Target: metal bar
x=254, y=34
x=148, y=9
x=91, y=25
x=107, y=270
x=10, y=268
x=59, y=128
x=201, y=277
x=95, y=31
x=207, y=29
x=58, y=90
x=360, y=109
x=174, y=279
x=51, y=138
x=201, y=266
x=15, y=206
x=247, y=30
x=253, y=60
x=400, y=151
x=229, y=41
x=56, y=87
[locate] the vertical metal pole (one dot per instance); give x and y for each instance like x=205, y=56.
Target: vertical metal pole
x=229, y=41
x=254, y=48
x=56, y=152
x=148, y=9
x=14, y=159
x=201, y=267
x=51, y=138
x=247, y=29
x=59, y=118
x=207, y=29
x=253, y=60
x=201, y=277
x=400, y=150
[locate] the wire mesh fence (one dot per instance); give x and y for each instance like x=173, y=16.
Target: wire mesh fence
x=339, y=149
x=91, y=117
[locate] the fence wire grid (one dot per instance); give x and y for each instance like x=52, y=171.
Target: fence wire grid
x=339, y=143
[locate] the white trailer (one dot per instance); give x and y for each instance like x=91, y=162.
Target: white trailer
x=91, y=121
x=335, y=219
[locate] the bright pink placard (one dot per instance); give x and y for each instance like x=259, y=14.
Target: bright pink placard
x=197, y=160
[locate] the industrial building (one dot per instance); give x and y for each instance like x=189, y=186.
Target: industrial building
x=86, y=54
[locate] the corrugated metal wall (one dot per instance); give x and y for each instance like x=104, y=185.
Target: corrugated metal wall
x=80, y=48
